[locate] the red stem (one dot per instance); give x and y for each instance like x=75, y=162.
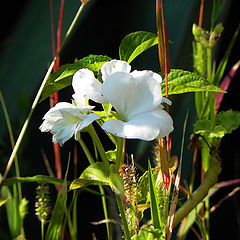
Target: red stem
x=54, y=97
x=200, y=20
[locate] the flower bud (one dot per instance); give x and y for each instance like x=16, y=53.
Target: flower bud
x=214, y=37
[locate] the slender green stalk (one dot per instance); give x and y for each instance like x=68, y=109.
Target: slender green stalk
x=123, y=218
x=98, y=144
x=86, y=151
x=120, y=152
x=37, y=98
x=105, y=211
x=6, y=115
x=42, y=229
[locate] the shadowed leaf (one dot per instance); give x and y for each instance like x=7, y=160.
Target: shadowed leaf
x=63, y=76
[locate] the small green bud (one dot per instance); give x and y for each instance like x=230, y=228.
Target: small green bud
x=197, y=31
x=219, y=28
x=214, y=37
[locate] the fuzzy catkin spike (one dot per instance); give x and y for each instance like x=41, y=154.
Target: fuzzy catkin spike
x=42, y=205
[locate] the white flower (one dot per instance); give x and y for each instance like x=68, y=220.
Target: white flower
x=136, y=96
x=65, y=119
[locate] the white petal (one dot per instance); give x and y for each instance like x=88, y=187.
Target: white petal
x=147, y=126
x=132, y=95
x=148, y=73
x=113, y=66
x=167, y=101
x=63, y=120
x=86, y=85
x=64, y=134
x=86, y=122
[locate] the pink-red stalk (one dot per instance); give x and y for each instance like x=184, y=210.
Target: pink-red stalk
x=164, y=61
x=54, y=97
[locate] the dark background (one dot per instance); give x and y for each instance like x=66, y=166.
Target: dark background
x=25, y=52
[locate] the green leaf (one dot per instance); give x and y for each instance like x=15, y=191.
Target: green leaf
x=229, y=119
x=107, y=108
x=180, y=81
x=206, y=128
x=12, y=211
x=55, y=224
x=78, y=183
x=95, y=174
x=136, y=43
x=203, y=126
x=111, y=155
x=149, y=233
x=37, y=178
x=3, y=201
x=116, y=183
x=154, y=204
x=63, y=76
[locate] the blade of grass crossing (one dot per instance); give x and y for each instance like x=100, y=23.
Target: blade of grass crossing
x=55, y=225
x=154, y=203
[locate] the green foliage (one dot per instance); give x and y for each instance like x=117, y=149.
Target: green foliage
x=37, y=178
x=95, y=174
x=155, y=212
x=149, y=233
x=111, y=155
x=63, y=76
x=136, y=43
x=230, y=120
x=207, y=128
x=180, y=81
x=226, y=122
x=116, y=183
x=55, y=225
x=12, y=207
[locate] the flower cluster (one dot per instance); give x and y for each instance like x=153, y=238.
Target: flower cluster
x=136, y=97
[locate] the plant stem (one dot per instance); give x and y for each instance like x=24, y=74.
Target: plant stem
x=37, y=98
x=202, y=191
x=123, y=218
x=42, y=229
x=6, y=115
x=120, y=152
x=86, y=151
x=98, y=143
x=105, y=212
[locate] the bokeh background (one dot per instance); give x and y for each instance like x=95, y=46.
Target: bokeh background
x=25, y=54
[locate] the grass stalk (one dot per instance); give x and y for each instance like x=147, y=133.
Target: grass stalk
x=123, y=217
x=37, y=98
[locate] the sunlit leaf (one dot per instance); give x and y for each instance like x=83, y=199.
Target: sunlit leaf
x=149, y=233
x=2, y=202
x=136, y=43
x=155, y=212
x=180, y=81
x=54, y=228
x=95, y=174
x=63, y=76
x=78, y=183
